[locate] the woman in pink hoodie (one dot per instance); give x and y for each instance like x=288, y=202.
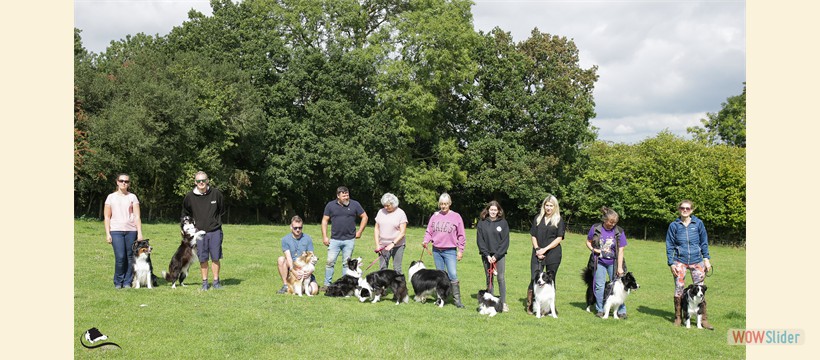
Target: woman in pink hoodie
x=446, y=231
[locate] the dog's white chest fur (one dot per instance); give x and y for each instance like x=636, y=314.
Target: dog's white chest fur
x=142, y=271
x=544, y=300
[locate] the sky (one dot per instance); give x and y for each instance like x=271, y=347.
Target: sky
x=662, y=64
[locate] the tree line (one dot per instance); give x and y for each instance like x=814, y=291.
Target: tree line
x=282, y=101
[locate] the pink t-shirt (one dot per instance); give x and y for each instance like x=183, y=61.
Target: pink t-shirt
x=122, y=211
x=390, y=226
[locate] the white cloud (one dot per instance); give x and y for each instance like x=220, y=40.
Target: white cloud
x=633, y=129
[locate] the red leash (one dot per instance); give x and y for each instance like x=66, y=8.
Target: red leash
x=378, y=251
x=491, y=272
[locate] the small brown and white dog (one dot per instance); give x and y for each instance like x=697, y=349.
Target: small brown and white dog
x=143, y=269
x=307, y=264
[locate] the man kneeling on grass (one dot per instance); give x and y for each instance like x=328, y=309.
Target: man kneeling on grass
x=293, y=245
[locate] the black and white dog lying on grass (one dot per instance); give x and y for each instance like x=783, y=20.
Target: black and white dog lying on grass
x=489, y=304
x=375, y=285
x=346, y=285
x=427, y=281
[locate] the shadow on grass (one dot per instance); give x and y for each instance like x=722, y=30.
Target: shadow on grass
x=230, y=281
x=665, y=314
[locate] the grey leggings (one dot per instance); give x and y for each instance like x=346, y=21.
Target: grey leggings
x=397, y=254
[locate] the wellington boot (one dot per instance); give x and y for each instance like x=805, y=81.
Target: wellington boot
x=529, y=302
x=456, y=294
x=677, y=311
x=703, y=320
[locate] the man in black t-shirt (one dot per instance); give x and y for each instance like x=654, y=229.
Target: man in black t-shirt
x=342, y=213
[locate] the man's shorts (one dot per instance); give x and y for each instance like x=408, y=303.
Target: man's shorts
x=210, y=245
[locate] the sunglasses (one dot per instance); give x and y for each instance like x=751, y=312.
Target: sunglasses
x=297, y=228
x=123, y=181
x=685, y=208
x=199, y=181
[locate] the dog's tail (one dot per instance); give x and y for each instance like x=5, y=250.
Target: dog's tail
x=169, y=276
x=587, y=274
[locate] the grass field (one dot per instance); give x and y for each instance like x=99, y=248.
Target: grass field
x=247, y=320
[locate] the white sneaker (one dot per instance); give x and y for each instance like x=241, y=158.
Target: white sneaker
x=506, y=309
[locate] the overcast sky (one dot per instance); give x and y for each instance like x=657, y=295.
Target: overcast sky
x=662, y=63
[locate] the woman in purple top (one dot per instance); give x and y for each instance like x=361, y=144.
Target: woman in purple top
x=607, y=241
x=122, y=227
x=446, y=231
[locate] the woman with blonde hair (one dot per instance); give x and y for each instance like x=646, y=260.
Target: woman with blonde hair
x=546, y=233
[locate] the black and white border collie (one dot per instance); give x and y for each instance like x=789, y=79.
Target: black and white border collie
x=615, y=293
x=692, y=304
x=543, y=288
x=185, y=254
x=346, y=285
x=376, y=284
x=488, y=304
x=427, y=282
x=143, y=269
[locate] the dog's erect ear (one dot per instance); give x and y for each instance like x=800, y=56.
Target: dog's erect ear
x=704, y=288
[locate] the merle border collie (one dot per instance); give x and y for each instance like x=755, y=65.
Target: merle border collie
x=615, y=293
x=543, y=288
x=185, y=254
x=488, y=304
x=691, y=304
x=143, y=269
x=427, y=282
x=376, y=284
x=346, y=285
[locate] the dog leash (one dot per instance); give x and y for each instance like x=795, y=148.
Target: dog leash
x=709, y=273
x=422, y=252
x=491, y=272
x=378, y=251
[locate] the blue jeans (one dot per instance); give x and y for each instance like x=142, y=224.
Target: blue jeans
x=123, y=243
x=446, y=259
x=336, y=246
x=601, y=272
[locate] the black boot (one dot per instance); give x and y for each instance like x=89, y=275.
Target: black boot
x=456, y=294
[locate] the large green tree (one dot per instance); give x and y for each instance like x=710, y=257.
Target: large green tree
x=727, y=126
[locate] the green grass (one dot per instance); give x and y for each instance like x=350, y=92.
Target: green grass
x=247, y=320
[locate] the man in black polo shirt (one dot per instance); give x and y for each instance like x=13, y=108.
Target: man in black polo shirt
x=342, y=212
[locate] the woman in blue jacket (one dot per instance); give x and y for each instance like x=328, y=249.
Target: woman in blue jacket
x=687, y=247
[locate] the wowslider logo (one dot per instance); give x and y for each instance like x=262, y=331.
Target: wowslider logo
x=766, y=337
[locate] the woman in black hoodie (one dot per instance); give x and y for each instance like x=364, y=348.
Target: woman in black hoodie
x=493, y=239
